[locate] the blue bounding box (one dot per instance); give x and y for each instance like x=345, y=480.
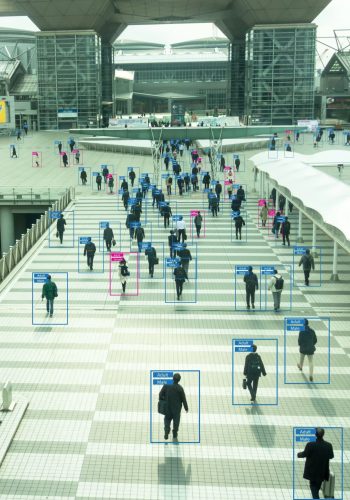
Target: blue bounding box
x=60, y=304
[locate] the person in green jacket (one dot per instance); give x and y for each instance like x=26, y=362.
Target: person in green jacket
x=50, y=293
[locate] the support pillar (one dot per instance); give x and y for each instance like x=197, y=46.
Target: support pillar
x=300, y=238
x=7, y=229
x=254, y=179
x=286, y=209
x=334, y=276
x=261, y=194
x=267, y=189
x=313, y=248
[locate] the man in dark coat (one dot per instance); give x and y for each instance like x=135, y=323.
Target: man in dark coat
x=308, y=263
x=180, y=276
x=251, y=284
x=49, y=291
x=175, y=398
x=285, y=231
x=132, y=176
x=239, y=222
x=61, y=222
x=151, y=255
x=253, y=369
x=172, y=239
x=89, y=251
x=99, y=181
x=307, y=341
x=318, y=454
x=108, y=236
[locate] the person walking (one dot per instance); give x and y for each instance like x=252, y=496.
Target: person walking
x=180, y=276
x=99, y=181
x=124, y=185
x=151, y=255
x=276, y=224
x=139, y=236
x=108, y=237
x=105, y=173
x=83, y=177
x=218, y=191
x=240, y=194
x=125, y=198
x=194, y=181
x=132, y=176
x=180, y=184
x=187, y=180
x=13, y=152
x=285, y=231
x=61, y=222
x=307, y=341
x=175, y=398
x=308, y=263
x=123, y=272
x=71, y=144
x=49, y=292
x=181, y=230
x=251, y=284
x=206, y=180
x=65, y=159
x=237, y=164
x=239, y=222
x=318, y=454
x=89, y=251
x=111, y=184
x=166, y=162
x=185, y=256
x=263, y=215
x=213, y=204
x=198, y=223
x=77, y=156
x=169, y=183
x=253, y=369
x=171, y=241
x=166, y=213
x=275, y=285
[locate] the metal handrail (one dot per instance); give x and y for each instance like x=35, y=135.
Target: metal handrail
x=16, y=252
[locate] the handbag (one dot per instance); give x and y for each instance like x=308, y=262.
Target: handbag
x=244, y=384
x=57, y=235
x=162, y=406
x=113, y=242
x=156, y=261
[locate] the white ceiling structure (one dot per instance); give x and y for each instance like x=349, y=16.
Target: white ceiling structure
x=110, y=17
x=317, y=191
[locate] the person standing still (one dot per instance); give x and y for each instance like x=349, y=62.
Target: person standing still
x=175, y=398
x=318, y=454
x=307, y=341
x=49, y=292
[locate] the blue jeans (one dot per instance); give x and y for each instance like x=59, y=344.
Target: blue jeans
x=49, y=305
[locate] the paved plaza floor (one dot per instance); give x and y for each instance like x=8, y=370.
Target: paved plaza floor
x=92, y=430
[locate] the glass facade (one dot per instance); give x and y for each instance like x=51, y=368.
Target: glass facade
x=69, y=76
x=280, y=72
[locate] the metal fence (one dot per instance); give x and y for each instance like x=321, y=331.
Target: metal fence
x=28, y=240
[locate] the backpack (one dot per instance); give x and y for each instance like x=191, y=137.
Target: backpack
x=255, y=366
x=124, y=271
x=279, y=283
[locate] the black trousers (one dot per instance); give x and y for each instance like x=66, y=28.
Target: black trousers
x=90, y=260
x=238, y=232
x=307, y=275
x=252, y=384
x=250, y=296
x=60, y=235
x=198, y=230
x=108, y=244
x=151, y=268
x=286, y=237
x=181, y=235
x=175, y=417
x=214, y=210
x=98, y=186
x=179, y=287
x=166, y=220
x=315, y=487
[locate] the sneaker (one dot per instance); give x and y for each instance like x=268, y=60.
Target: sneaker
x=248, y=307
x=175, y=440
x=51, y=315
x=166, y=435
x=311, y=378
x=253, y=306
x=300, y=367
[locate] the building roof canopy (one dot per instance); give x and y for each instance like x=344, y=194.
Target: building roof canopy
x=110, y=17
